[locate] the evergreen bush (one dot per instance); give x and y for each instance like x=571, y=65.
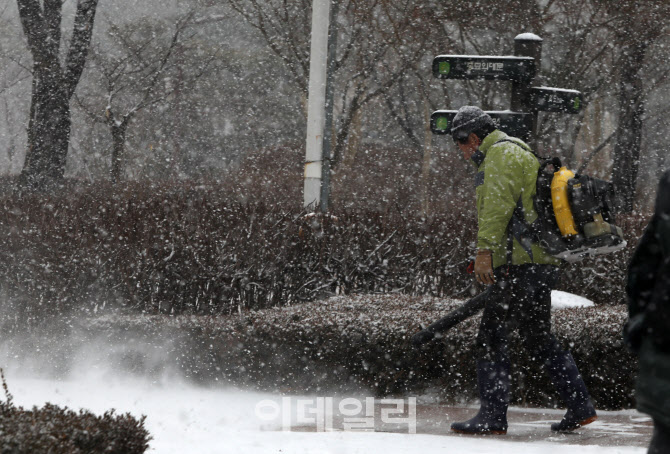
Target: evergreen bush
x=59, y=430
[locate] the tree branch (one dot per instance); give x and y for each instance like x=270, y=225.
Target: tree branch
x=81, y=40
x=32, y=21
x=52, y=20
x=595, y=151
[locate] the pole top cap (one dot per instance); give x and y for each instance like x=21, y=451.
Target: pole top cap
x=527, y=37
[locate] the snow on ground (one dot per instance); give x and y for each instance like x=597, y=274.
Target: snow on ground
x=183, y=418
x=564, y=300
x=187, y=419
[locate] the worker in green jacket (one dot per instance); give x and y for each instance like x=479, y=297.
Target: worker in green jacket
x=519, y=274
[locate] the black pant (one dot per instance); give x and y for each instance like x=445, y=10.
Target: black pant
x=660, y=440
x=520, y=299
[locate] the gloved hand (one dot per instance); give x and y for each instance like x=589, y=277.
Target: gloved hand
x=484, y=267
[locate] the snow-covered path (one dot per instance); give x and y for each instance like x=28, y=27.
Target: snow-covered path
x=186, y=419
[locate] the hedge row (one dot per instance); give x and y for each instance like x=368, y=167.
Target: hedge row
x=361, y=343
x=192, y=249
x=59, y=430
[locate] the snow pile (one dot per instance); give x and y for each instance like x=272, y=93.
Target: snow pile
x=564, y=300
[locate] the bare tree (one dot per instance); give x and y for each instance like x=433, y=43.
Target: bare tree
x=53, y=86
x=379, y=40
x=581, y=57
x=637, y=27
x=142, y=71
x=15, y=72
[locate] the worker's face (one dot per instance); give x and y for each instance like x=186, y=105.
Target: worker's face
x=469, y=147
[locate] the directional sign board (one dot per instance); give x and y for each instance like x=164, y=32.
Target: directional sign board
x=518, y=69
x=557, y=100
x=516, y=124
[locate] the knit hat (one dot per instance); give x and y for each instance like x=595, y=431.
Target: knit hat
x=469, y=119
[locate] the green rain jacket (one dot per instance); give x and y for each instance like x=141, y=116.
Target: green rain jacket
x=506, y=173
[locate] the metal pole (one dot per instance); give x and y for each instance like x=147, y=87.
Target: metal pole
x=316, y=103
x=527, y=45
x=330, y=92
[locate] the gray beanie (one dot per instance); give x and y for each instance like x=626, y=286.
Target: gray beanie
x=469, y=119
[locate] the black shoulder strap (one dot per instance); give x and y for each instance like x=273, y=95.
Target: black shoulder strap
x=517, y=226
x=544, y=162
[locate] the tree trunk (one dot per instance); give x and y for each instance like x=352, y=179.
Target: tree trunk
x=427, y=160
x=353, y=142
x=626, y=160
x=118, y=147
x=49, y=132
x=54, y=84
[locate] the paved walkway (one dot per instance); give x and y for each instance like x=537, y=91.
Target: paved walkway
x=620, y=428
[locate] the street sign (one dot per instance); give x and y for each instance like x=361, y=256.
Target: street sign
x=516, y=124
x=557, y=100
x=525, y=101
x=519, y=69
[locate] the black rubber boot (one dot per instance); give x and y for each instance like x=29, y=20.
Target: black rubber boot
x=572, y=389
x=493, y=381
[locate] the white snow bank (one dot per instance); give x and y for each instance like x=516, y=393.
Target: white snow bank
x=562, y=90
x=564, y=300
x=186, y=419
x=474, y=57
x=528, y=37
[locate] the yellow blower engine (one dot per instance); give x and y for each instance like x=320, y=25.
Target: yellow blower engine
x=575, y=211
x=560, y=202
